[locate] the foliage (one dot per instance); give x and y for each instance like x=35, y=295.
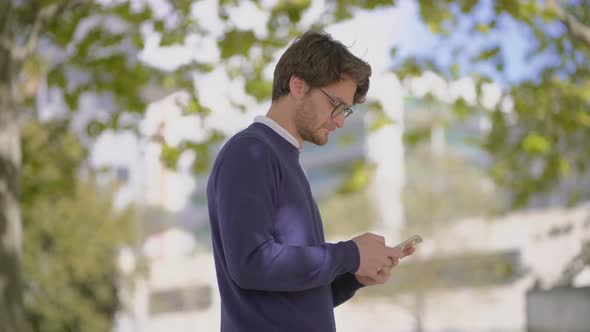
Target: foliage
x=540, y=143
x=71, y=235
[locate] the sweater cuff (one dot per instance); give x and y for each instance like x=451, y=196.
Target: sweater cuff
x=351, y=282
x=351, y=255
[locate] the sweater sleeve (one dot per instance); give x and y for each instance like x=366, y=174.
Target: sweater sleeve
x=246, y=191
x=344, y=288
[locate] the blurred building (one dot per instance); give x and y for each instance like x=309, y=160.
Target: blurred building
x=178, y=292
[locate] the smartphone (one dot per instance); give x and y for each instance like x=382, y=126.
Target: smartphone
x=414, y=240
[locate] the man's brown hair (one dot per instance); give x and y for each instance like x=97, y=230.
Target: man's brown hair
x=320, y=60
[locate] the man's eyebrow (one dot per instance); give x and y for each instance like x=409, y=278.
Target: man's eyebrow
x=338, y=99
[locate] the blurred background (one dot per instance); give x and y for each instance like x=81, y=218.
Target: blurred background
x=474, y=135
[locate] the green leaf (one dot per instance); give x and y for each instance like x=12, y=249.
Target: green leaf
x=411, y=67
x=358, y=179
x=393, y=52
x=112, y=40
x=293, y=9
x=342, y=13
x=138, y=41
x=434, y=13
x=57, y=77
x=536, y=144
x=461, y=109
x=159, y=26
x=171, y=38
x=381, y=121
x=583, y=118
x=205, y=67
x=94, y=128
x=373, y=4
x=564, y=167
x=415, y=136
x=347, y=138
x=380, y=118
x=236, y=42
x=488, y=54
x=455, y=69
x=467, y=6
x=259, y=88
x=71, y=99
x=203, y=151
x=195, y=107
x=169, y=156
x=483, y=28
x=124, y=11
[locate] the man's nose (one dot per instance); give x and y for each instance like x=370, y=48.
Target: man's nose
x=340, y=120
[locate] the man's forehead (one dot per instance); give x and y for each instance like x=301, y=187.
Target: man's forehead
x=344, y=91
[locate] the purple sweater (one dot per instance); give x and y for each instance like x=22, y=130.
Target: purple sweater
x=274, y=269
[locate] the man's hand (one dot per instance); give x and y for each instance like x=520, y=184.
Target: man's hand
x=385, y=273
x=374, y=254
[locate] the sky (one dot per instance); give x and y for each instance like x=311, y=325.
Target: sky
x=370, y=35
x=216, y=88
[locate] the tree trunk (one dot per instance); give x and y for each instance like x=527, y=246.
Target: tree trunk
x=11, y=302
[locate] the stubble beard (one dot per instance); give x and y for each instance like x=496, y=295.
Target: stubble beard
x=305, y=120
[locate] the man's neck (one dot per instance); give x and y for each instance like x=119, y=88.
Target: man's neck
x=284, y=118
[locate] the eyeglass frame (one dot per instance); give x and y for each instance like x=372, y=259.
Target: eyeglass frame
x=347, y=109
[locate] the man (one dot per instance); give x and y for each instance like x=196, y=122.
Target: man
x=274, y=269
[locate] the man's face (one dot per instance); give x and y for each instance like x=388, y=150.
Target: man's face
x=313, y=120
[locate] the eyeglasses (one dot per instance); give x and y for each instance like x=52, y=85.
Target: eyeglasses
x=339, y=107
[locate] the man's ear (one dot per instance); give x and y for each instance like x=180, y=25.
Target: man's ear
x=297, y=86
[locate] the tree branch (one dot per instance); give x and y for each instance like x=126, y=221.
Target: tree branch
x=6, y=44
x=6, y=15
x=5, y=35
x=46, y=13
x=576, y=28
x=21, y=52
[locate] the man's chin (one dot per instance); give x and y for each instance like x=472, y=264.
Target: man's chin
x=320, y=139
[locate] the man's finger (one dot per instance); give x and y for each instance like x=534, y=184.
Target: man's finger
x=388, y=262
x=392, y=264
x=409, y=251
x=394, y=252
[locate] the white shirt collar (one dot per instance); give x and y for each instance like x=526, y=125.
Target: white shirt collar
x=278, y=129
